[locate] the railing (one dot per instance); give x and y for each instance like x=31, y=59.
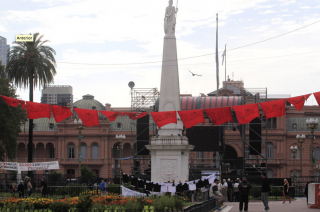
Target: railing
x=202, y=207
x=6, y=209
x=25, y=160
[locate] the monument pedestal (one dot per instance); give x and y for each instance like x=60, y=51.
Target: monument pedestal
x=169, y=158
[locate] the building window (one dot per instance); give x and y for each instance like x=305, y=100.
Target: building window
x=201, y=155
x=274, y=123
x=51, y=152
x=95, y=151
x=318, y=153
x=71, y=150
x=70, y=173
x=270, y=151
x=83, y=150
x=269, y=173
x=318, y=174
x=297, y=174
x=119, y=125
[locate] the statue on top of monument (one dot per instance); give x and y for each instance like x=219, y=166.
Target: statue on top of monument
x=170, y=19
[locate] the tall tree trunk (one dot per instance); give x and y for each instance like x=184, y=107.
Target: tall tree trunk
x=30, y=146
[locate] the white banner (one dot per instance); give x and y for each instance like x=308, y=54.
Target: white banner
x=130, y=193
x=9, y=166
x=38, y=166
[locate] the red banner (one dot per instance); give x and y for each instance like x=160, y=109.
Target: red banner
x=219, y=116
x=112, y=116
x=191, y=117
x=88, y=117
x=298, y=102
x=135, y=116
x=274, y=108
x=38, y=110
x=246, y=113
x=317, y=96
x=14, y=102
x=164, y=118
x=60, y=113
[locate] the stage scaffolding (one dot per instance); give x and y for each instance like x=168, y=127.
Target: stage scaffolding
x=142, y=100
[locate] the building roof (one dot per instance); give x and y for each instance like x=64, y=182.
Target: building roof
x=42, y=124
x=88, y=102
x=236, y=90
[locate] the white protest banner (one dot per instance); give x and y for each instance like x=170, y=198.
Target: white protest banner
x=9, y=166
x=38, y=166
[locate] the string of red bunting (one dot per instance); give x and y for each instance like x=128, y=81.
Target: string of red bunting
x=190, y=118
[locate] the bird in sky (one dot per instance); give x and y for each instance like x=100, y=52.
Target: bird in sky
x=195, y=74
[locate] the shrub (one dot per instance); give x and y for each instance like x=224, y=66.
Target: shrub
x=84, y=204
x=59, y=207
x=132, y=205
x=71, y=189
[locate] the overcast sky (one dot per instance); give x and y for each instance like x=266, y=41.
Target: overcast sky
x=131, y=31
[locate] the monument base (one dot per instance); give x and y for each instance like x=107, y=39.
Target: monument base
x=169, y=158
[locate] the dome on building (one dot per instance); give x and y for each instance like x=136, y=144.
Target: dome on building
x=88, y=102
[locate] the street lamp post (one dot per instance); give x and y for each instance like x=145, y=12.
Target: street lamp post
x=301, y=139
x=294, y=150
x=79, y=127
x=312, y=124
x=120, y=138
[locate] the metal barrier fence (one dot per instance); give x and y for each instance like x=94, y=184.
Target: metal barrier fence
x=275, y=194
x=202, y=207
x=5, y=209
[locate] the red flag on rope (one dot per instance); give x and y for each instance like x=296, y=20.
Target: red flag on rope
x=14, y=102
x=246, y=113
x=273, y=108
x=134, y=115
x=111, y=115
x=164, y=118
x=317, y=96
x=60, y=113
x=306, y=96
x=191, y=117
x=38, y=110
x=219, y=116
x=298, y=101
x=88, y=117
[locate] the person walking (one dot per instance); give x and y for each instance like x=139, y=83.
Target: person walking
x=102, y=188
x=286, y=191
x=244, y=188
x=306, y=191
x=236, y=191
x=265, y=189
x=44, y=187
x=21, y=190
x=29, y=187
x=215, y=194
x=224, y=189
x=230, y=191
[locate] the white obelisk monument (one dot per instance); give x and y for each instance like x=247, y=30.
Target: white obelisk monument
x=170, y=150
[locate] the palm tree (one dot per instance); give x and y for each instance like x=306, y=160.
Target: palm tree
x=31, y=64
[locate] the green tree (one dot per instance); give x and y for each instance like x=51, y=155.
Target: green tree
x=31, y=64
x=10, y=119
x=87, y=174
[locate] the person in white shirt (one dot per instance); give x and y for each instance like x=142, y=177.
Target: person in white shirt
x=224, y=189
x=215, y=194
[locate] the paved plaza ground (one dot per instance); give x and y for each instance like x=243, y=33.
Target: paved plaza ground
x=298, y=205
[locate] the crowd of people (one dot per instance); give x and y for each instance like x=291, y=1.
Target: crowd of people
x=26, y=187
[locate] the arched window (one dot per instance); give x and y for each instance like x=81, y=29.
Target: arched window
x=95, y=151
x=297, y=174
x=269, y=173
x=270, y=150
x=84, y=150
x=126, y=150
x=71, y=150
x=318, y=153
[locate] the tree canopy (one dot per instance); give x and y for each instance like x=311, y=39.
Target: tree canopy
x=11, y=119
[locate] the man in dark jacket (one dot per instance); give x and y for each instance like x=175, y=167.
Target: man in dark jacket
x=244, y=188
x=44, y=187
x=21, y=190
x=265, y=189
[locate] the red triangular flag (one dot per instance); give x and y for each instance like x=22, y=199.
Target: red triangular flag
x=11, y=101
x=274, y=108
x=60, y=113
x=306, y=96
x=111, y=115
x=246, y=113
x=164, y=118
x=191, y=117
x=88, y=117
x=135, y=116
x=317, y=96
x=298, y=101
x=22, y=104
x=219, y=116
x=38, y=110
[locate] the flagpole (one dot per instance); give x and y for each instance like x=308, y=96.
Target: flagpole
x=225, y=65
x=217, y=59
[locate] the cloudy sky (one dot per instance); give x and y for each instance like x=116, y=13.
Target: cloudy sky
x=123, y=32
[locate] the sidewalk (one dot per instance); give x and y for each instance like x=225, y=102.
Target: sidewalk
x=299, y=205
